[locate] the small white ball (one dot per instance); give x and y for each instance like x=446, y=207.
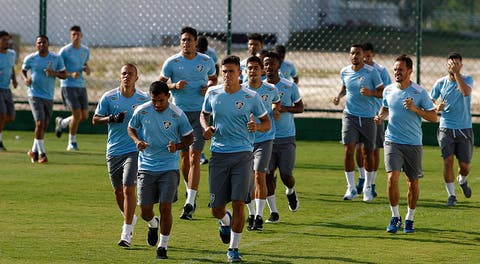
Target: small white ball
x=17, y=137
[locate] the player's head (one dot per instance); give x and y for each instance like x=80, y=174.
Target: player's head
x=255, y=43
x=261, y=54
x=368, y=53
x=231, y=70
x=75, y=34
x=254, y=69
x=202, y=44
x=4, y=40
x=128, y=75
x=281, y=51
x=402, y=69
x=271, y=62
x=188, y=40
x=41, y=43
x=356, y=54
x=453, y=58
x=160, y=94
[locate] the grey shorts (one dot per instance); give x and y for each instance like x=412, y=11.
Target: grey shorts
x=123, y=169
x=359, y=130
x=230, y=176
x=75, y=98
x=41, y=108
x=458, y=142
x=198, y=140
x=400, y=157
x=157, y=186
x=380, y=135
x=283, y=155
x=262, y=153
x=6, y=102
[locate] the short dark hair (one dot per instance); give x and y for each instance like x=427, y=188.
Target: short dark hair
x=454, y=55
x=129, y=64
x=255, y=36
x=404, y=58
x=232, y=59
x=189, y=30
x=273, y=55
x=76, y=28
x=368, y=46
x=356, y=46
x=43, y=36
x=159, y=87
x=280, y=49
x=4, y=33
x=255, y=59
x=202, y=44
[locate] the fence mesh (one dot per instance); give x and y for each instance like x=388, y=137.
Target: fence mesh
x=317, y=35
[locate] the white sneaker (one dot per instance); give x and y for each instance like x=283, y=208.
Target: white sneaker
x=126, y=237
x=350, y=194
x=367, y=194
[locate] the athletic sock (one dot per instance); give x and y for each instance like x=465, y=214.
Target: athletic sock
x=153, y=223
x=395, y=212
x=40, y=146
x=461, y=179
x=235, y=239
x=65, y=122
x=350, y=176
x=289, y=191
x=374, y=177
x=191, y=195
x=225, y=220
x=410, y=214
x=272, y=204
x=72, y=138
x=368, y=179
x=260, y=204
x=163, y=241
x=251, y=208
x=35, y=145
x=361, y=173
x=450, y=186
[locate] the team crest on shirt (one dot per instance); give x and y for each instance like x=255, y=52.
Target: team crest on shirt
x=280, y=94
x=265, y=97
x=167, y=124
x=200, y=67
x=239, y=104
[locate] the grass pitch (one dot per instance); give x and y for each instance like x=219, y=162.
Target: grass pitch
x=64, y=212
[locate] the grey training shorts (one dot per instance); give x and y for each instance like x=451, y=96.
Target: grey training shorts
x=262, y=152
x=154, y=186
x=230, y=176
x=123, y=169
x=283, y=155
x=41, y=108
x=458, y=142
x=400, y=157
x=75, y=98
x=198, y=140
x=359, y=130
x=6, y=102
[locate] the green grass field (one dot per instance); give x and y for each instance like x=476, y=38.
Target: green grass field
x=64, y=212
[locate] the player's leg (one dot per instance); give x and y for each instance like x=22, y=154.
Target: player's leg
x=7, y=112
x=79, y=106
x=368, y=137
x=262, y=154
x=360, y=159
x=376, y=156
x=464, y=151
x=148, y=195
x=286, y=166
x=413, y=169
x=393, y=166
x=446, y=142
x=271, y=182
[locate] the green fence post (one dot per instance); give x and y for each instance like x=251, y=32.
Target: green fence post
x=229, y=27
x=43, y=18
x=418, y=41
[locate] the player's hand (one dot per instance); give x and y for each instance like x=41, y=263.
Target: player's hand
x=454, y=66
x=86, y=69
x=336, y=100
x=141, y=145
x=276, y=114
x=203, y=90
x=209, y=132
x=75, y=75
x=251, y=125
x=180, y=85
x=365, y=92
x=378, y=119
x=409, y=104
x=171, y=147
x=49, y=72
x=117, y=118
x=441, y=106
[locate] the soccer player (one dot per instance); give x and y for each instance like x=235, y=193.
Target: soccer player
x=7, y=73
x=115, y=108
x=254, y=45
x=44, y=67
x=158, y=129
x=191, y=73
x=369, y=54
x=455, y=135
x=287, y=68
x=406, y=103
x=263, y=144
x=75, y=56
x=233, y=108
x=283, y=152
x=360, y=83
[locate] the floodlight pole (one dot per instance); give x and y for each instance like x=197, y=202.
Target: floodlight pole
x=43, y=18
x=229, y=27
x=419, y=38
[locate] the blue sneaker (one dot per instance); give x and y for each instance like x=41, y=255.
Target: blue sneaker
x=350, y=194
x=374, y=193
x=72, y=146
x=360, y=185
x=408, y=227
x=233, y=255
x=395, y=224
x=225, y=231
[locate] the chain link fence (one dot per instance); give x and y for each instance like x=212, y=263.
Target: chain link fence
x=317, y=34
